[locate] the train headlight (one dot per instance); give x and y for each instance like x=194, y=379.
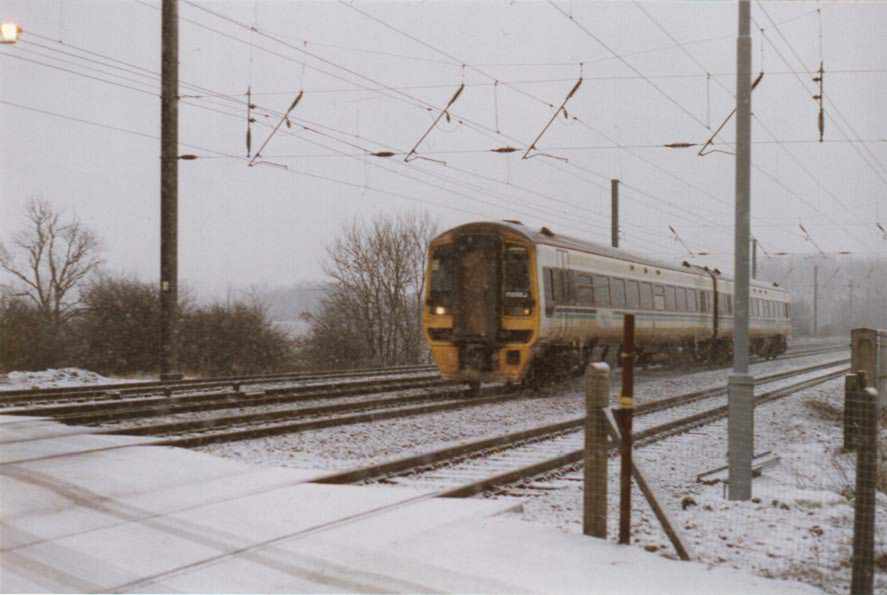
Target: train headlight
x=440, y=310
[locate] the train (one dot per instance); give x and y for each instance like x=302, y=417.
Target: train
x=506, y=303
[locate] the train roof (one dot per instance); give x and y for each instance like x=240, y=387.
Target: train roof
x=546, y=236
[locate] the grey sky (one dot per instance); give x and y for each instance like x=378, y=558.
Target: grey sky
x=265, y=225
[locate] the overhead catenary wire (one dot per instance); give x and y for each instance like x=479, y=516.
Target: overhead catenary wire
x=477, y=126
x=451, y=56
x=765, y=127
x=628, y=64
x=871, y=159
x=339, y=140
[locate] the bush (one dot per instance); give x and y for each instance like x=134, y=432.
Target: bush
x=118, y=327
x=117, y=331
x=28, y=341
x=231, y=339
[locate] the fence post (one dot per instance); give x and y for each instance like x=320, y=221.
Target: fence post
x=597, y=398
x=869, y=354
x=862, y=580
x=852, y=384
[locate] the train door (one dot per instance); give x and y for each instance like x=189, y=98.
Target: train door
x=478, y=282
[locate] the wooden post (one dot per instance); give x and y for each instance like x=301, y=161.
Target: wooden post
x=597, y=398
x=862, y=579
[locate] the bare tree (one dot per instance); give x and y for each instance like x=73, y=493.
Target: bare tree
x=372, y=314
x=50, y=257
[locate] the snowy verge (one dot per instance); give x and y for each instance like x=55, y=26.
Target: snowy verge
x=54, y=378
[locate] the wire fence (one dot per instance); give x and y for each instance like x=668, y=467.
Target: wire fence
x=818, y=511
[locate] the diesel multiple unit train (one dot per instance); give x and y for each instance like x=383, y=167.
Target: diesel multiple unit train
x=507, y=303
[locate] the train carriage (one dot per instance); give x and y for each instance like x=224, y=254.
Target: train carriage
x=504, y=303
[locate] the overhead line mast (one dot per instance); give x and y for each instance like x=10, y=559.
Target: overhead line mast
x=169, y=189
x=740, y=396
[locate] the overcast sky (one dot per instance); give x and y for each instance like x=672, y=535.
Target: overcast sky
x=367, y=86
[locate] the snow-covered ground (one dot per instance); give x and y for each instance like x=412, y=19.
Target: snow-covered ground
x=798, y=526
x=799, y=523
x=53, y=378
x=364, y=444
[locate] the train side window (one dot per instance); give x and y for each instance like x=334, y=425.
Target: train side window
x=658, y=297
x=617, y=292
x=549, y=291
x=569, y=287
x=681, y=301
x=601, y=290
x=729, y=304
x=788, y=310
x=557, y=286
x=692, y=305
x=584, y=289
x=632, y=294
x=703, y=301
x=670, y=298
x=646, y=296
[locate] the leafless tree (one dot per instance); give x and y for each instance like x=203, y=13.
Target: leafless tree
x=49, y=258
x=372, y=314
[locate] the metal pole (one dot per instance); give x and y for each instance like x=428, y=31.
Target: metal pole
x=625, y=417
x=815, y=300
x=614, y=212
x=754, y=258
x=740, y=421
x=169, y=186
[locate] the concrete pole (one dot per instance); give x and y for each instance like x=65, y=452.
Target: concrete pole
x=614, y=213
x=169, y=188
x=597, y=399
x=850, y=284
x=740, y=420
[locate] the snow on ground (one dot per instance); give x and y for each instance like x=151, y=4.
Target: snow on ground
x=363, y=444
x=799, y=523
x=53, y=378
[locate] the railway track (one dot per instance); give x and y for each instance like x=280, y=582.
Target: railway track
x=287, y=409
x=557, y=448
x=113, y=410
x=128, y=390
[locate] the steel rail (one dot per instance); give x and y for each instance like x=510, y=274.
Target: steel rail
x=93, y=412
x=485, y=447
x=301, y=426
x=156, y=386
x=642, y=438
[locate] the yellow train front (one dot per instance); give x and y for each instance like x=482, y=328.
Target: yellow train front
x=481, y=302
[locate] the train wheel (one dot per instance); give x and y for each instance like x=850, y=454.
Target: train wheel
x=474, y=389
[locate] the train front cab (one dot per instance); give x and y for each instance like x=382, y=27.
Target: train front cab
x=481, y=303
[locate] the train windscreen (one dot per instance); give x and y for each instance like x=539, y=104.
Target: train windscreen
x=442, y=285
